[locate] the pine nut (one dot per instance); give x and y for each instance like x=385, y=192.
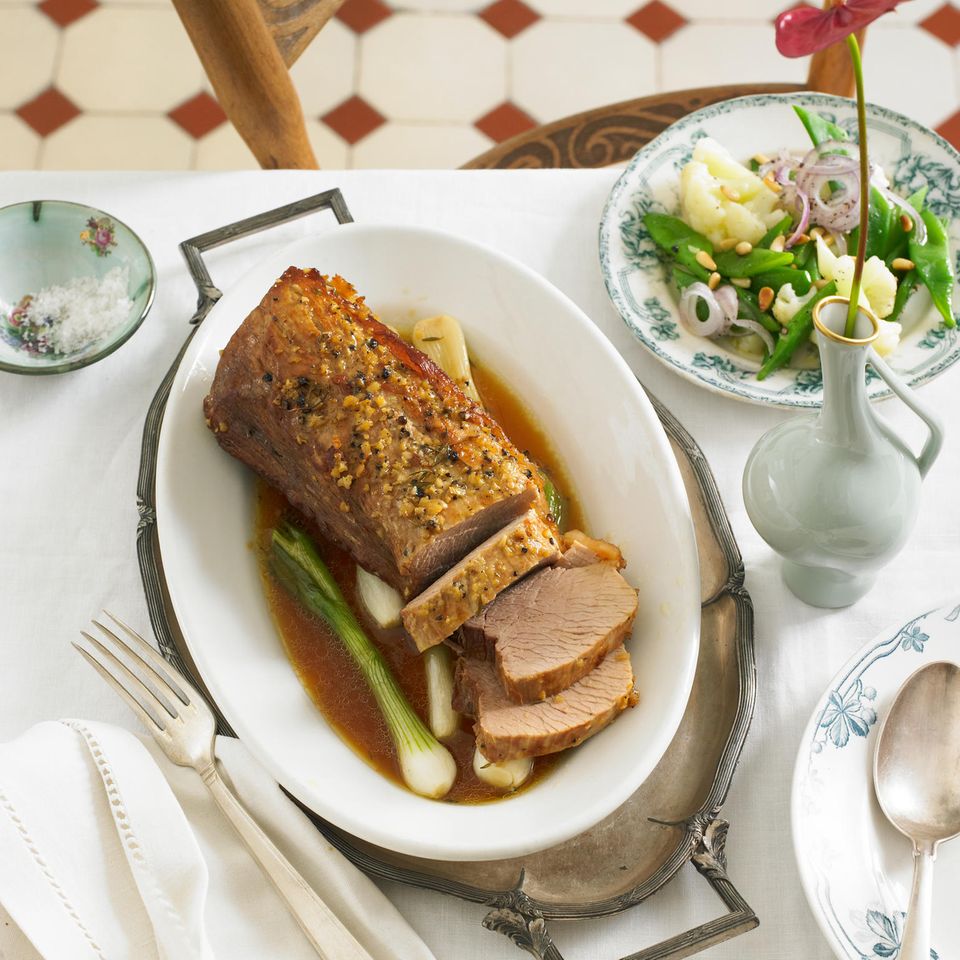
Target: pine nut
x=778, y=243
x=714, y=281
x=761, y=158
x=821, y=283
x=730, y=193
x=902, y=263
x=816, y=232
x=906, y=223
x=727, y=244
x=742, y=282
x=765, y=297
x=743, y=247
x=705, y=260
x=771, y=184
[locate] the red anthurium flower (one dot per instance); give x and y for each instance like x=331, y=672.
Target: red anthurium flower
x=804, y=30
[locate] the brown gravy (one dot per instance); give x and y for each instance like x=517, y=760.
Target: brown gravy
x=324, y=667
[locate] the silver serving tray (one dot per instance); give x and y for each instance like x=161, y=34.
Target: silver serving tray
x=671, y=820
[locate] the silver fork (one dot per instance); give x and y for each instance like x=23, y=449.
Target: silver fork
x=181, y=722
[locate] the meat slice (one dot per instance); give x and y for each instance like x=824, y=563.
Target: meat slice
x=501, y=560
x=551, y=629
x=580, y=550
x=506, y=730
x=364, y=434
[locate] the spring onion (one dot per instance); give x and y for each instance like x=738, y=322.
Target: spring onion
x=380, y=600
x=505, y=775
x=438, y=664
x=441, y=339
x=427, y=766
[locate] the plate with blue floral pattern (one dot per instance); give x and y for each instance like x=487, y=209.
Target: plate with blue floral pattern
x=638, y=283
x=856, y=869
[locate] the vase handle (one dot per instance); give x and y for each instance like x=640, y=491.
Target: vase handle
x=931, y=449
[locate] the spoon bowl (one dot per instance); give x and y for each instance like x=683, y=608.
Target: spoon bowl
x=916, y=774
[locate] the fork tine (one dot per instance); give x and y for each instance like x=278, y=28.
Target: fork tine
x=155, y=695
x=147, y=717
x=144, y=651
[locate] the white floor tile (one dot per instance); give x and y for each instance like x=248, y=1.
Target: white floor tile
x=125, y=58
x=892, y=78
x=18, y=144
x=756, y=10
x=441, y=6
x=701, y=56
x=438, y=68
x=592, y=9
x=223, y=149
x=562, y=67
x=324, y=74
x=117, y=143
x=420, y=146
x=331, y=152
x=28, y=47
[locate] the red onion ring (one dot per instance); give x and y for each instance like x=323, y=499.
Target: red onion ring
x=804, y=220
x=716, y=322
x=752, y=326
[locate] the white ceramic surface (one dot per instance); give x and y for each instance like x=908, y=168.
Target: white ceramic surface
x=855, y=867
x=638, y=283
x=606, y=433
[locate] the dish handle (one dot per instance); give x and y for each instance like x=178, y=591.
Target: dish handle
x=517, y=918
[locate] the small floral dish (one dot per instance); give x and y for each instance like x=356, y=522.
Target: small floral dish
x=856, y=869
x=639, y=283
x=75, y=283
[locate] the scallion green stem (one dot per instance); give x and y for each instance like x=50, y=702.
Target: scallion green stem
x=427, y=766
x=854, y=305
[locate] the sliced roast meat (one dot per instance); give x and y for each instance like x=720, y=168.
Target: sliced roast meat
x=364, y=434
x=500, y=561
x=507, y=730
x=552, y=628
x=580, y=550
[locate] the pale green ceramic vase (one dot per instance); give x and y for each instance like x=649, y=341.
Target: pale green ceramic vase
x=836, y=493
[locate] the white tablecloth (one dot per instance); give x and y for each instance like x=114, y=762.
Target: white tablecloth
x=69, y=449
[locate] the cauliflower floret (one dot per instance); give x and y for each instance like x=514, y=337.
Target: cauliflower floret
x=878, y=286
x=789, y=302
x=889, y=338
x=711, y=211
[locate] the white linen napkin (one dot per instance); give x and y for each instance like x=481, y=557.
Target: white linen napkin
x=108, y=850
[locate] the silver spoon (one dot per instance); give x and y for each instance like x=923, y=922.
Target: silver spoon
x=916, y=772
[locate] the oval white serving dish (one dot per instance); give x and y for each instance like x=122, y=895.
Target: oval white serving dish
x=621, y=466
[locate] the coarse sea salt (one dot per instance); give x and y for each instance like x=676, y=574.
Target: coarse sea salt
x=81, y=311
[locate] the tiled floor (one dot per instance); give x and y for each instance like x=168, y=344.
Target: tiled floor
x=414, y=83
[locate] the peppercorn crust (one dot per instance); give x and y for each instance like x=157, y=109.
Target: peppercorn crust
x=364, y=433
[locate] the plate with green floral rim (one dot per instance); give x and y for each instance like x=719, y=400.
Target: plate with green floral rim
x=856, y=869
x=636, y=278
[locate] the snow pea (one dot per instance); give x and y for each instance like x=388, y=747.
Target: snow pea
x=750, y=310
x=682, y=278
x=800, y=279
x=732, y=264
x=905, y=287
x=898, y=238
x=879, y=224
x=819, y=128
x=934, y=269
x=680, y=240
x=777, y=230
x=797, y=332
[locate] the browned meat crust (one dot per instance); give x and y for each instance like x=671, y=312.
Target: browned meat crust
x=365, y=434
x=501, y=560
x=506, y=730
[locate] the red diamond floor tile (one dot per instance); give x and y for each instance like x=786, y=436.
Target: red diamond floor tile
x=361, y=15
x=657, y=21
x=48, y=112
x=509, y=17
x=504, y=122
x=944, y=24
x=65, y=12
x=353, y=120
x=950, y=129
x=198, y=115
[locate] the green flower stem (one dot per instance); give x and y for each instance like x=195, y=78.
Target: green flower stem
x=854, y=49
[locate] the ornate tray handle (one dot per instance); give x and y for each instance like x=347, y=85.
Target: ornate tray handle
x=513, y=912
